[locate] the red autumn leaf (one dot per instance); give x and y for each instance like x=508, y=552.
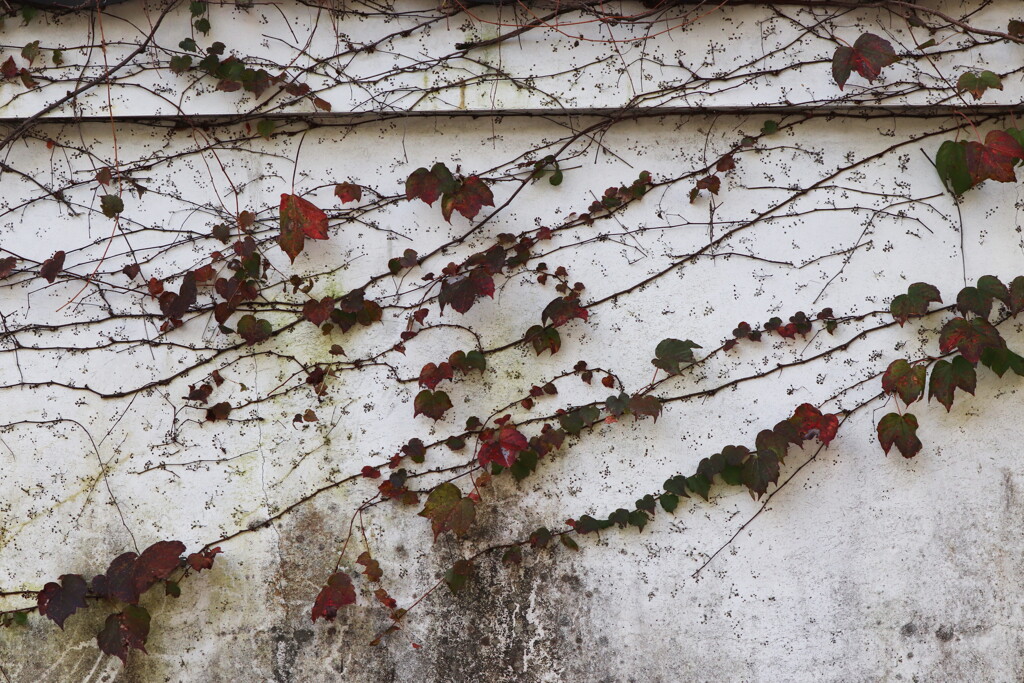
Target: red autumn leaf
x=156, y=563
x=502, y=447
x=203, y=559
x=712, y=183
x=9, y=68
x=174, y=306
x=468, y=198
x=317, y=312
x=971, y=338
x=119, y=581
x=60, y=601
x=868, y=56
x=373, y=571
x=433, y=404
x=431, y=374
x=7, y=266
x=447, y=510
x=300, y=219
x=995, y=159
x=726, y=163
x=219, y=411
x=336, y=594
x=52, y=266
x=370, y=472
x=462, y=292
x=348, y=192
x=811, y=422
x=124, y=631
x=901, y=431
x=645, y=406
x=155, y=287
x=562, y=310
x=429, y=185
x=385, y=599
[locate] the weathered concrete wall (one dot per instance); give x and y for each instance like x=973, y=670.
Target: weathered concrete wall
x=863, y=567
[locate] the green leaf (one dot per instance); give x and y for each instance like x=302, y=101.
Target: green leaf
x=544, y=338
x=111, y=205
x=671, y=352
x=760, y=470
x=973, y=300
x=181, y=63
x=951, y=163
x=567, y=541
x=669, y=502
x=254, y=330
x=993, y=287
x=265, y=128
x=197, y=8
x=904, y=379
x=447, y=510
x=188, y=45
x=1016, y=300
x=901, y=431
x=947, y=377
x=639, y=519
x=977, y=84
x=457, y=577
x=202, y=25
x=769, y=127
x=914, y=302
x=1000, y=360
x=699, y=485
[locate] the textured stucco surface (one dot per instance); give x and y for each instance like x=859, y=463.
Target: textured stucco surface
x=862, y=568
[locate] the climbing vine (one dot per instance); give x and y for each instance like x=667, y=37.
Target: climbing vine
x=228, y=282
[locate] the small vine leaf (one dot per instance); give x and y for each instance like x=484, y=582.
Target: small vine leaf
x=670, y=353
x=433, y=404
x=468, y=198
x=7, y=266
x=337, y=593
x=9, y=69
x=462, y=292
x=868, y=56
x=318, y=312
x=300, y=219
x=432, y=374
x=156, y=563
x=1015, y=28
x=373, y=571
x=125, y=631
x=808, y=421
x=1016, y=295
x=563, y=309
x=544, y=338
x=111, y=205
x=993, y=287
x=119, y=581
x=458, y=576
x=901, y=431
x=914, y=302
x=973, y=300
x=58, y=601
x=760, y=470
x=502, y=447
x=905, y=380
x=203, y=559
x=448, y=510
x=1002, y=359
x=951, y=164
x=429, y=185
x=348, y=192
x=219, y=411
x=995, y=159
x=970, y=337
x=645, y=406
x=699, y=484
x=977, y=84
x=52, y=267
x=949, y=376
x=254, y=330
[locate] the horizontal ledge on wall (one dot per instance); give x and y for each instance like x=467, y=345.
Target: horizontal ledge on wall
x=827, y=110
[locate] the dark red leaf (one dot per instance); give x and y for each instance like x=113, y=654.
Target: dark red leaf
x=971, y=338
x=462, y=292
x=60, y=601
x=811, y=422
x=468, y=198
x=502, y=447
x=300, y=219
x=318, y=312
x=9, y=68
x=904, y=379
x=562, y=310
x=447, y=510
x=156, y=563
x=119, y=581
x=336, y=594
x=7, y=266
x=373, y=571
x=124, y=631
x=203, y=559
x=52, y=266
x=432, y=374
x=348, y=192
x=995, y=159
x=370, y=472
x=218, y=412
x=868, y=56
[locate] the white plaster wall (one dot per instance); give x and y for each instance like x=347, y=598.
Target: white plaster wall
x=863, y=567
